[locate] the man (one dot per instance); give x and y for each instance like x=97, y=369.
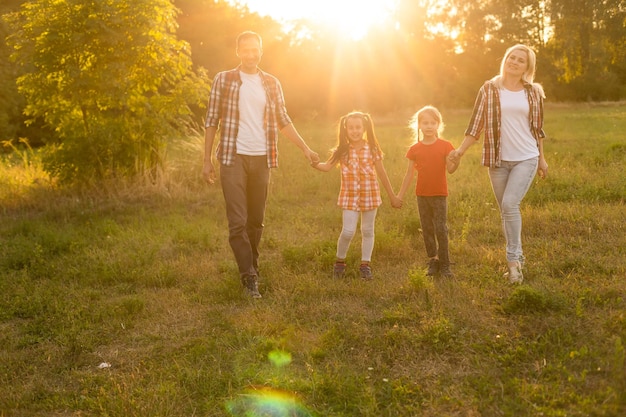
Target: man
x=248, y=106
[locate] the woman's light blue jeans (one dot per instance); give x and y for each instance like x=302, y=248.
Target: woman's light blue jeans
x=510, y=182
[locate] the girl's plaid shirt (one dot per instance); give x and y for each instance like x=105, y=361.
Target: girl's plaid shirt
x=359, y=184
x=223, y=112
x=486, y=116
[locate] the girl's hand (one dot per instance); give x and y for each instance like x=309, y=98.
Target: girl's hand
x=455, y=156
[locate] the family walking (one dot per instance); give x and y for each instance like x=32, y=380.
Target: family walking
x=247, y=107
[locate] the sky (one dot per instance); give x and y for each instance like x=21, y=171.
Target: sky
x=352, y=17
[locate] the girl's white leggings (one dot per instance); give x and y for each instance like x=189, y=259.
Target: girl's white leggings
x=350, y=220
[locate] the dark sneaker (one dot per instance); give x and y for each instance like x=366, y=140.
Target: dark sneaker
x=366, y=272
x=339, y=269
x=251, y=284
x=444, y=270
x=433, y=267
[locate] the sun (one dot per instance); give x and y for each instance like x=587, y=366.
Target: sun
x=349, y=18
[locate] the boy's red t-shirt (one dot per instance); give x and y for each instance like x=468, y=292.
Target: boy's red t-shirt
x=430, y=164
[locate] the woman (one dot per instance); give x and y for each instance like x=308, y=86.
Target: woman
x=509, y=109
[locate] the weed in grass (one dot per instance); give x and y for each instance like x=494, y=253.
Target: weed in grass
x=309, y=256
x=525, y=299
x=421, y=282
x=438, y=333
x=617, y=366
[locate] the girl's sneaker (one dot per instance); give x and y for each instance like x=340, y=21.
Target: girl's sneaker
x=433, y=267
x=366, y=272
x=444, y=271
x=339, y=269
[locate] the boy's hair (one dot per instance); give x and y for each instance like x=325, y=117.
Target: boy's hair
x=343, y=143
x=414, y=121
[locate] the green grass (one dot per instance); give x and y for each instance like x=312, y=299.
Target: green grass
x=141, y=277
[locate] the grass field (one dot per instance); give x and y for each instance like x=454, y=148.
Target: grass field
x=125, y=301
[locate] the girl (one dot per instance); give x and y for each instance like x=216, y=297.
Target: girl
x=360, y=158
x=430, y=157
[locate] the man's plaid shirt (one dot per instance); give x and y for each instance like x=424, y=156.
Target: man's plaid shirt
x=223, y=112
x=486, y=116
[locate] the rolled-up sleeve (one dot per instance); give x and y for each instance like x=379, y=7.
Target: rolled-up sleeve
x=282, y=118
x=477, y=121
x=213, y=114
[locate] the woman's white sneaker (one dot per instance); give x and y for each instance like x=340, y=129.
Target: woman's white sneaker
x=515, y=273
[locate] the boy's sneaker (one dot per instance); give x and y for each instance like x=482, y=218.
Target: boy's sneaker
x=339, y=269
x=433, y=267
x=444, y=270
x=515, y=274
x=251, y=284
x=366, y=272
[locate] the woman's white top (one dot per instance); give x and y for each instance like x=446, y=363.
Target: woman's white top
x=517, y=142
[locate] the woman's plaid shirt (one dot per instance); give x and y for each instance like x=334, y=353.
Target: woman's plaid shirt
x=486, y=116
x=359, y=184
x=223, y=112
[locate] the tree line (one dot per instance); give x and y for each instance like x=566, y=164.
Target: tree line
x=106, y=84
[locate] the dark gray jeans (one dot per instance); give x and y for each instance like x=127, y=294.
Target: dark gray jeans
x=245, y=186
x=433, y=213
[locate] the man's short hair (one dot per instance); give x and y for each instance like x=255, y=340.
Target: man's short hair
x=247, y=35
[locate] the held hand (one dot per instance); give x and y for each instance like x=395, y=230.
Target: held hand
x=396, y=202
x=543, y=168
x=313, y=157
x=208, y=172
x=455, y=156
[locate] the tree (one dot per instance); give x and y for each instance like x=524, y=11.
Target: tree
x=110, y=77
x=10, y=101
x=586, y=53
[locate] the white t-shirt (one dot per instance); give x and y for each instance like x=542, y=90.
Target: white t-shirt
x=251, y=135
x=517, y=142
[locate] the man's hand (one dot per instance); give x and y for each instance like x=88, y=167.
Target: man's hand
x=208, y=172
x=313, y=157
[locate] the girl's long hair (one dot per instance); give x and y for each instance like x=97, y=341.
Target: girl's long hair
x=343, y=143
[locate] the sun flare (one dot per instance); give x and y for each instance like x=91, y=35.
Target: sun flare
x=348, y=18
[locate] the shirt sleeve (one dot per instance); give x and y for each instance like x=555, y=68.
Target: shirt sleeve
x=282, y=118
x=410, y=153
x=215, y=97
x=476, y=123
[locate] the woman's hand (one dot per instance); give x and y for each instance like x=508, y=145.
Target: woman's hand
x=455, y=156
x=543, y=168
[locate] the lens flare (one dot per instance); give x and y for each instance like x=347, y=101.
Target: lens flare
x=266, y=402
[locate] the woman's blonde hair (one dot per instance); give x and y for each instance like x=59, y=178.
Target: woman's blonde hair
x=414, y=121
x=529, y=75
